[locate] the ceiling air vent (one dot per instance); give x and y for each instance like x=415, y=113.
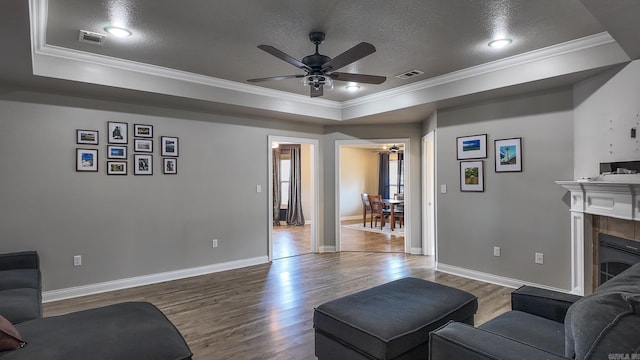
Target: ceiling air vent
x=409, y=74
x=91, y=37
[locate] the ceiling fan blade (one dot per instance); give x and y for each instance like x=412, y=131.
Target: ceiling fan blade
x=284, y=77
x=361, y=78
x=354, y=54
x=282, y=56
x=316, y=92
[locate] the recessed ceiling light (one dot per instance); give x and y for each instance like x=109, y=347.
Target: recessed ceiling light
x=118, y=31
x=499, y=43
x=353, y=87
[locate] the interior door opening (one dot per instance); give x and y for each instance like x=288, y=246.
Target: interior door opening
x=293, y=197
x=372, y=167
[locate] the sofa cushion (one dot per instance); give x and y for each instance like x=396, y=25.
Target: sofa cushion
x=536, y=331
x=18, y=305
x=19, y=278
x=607, y=321
x=10, y=338
x=131, y=330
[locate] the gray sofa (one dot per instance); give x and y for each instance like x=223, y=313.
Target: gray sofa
x=550, y=325
x=131, y=330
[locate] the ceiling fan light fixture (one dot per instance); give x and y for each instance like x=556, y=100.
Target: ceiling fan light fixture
x=317, y=81
x=118, y=31
x=500, y=43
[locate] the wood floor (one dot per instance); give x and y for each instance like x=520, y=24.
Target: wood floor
x=265, y=311
x=295, y=240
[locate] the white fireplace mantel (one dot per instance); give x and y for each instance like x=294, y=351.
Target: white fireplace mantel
x=618, y=199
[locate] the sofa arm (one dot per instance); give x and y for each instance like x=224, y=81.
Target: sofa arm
x=20, y=260
x=549, y=304
x=461, y=341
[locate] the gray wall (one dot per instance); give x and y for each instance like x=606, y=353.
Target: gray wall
x=523, y=213
x=127, y=226
x=607, y=106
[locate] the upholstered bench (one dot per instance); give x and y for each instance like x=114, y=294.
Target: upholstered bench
x=390, y=321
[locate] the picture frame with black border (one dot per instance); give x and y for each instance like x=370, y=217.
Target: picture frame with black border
x=143, y=145
x=143, y=131
x=508, y=153
x=116, y=168
x=118, y=132
x=471, y=147
x=86, y=160
x=169, y=146
x=116, y=152
x=89, y=137
x=472, y=176
x=143, y=164
x=170, y=166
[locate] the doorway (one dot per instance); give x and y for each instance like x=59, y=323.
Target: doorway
x=357, y=171
x=291, y=240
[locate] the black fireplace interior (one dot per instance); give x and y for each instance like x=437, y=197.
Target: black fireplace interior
x=615, y=255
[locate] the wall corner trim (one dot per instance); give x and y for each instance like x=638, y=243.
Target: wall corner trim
x=76, y=291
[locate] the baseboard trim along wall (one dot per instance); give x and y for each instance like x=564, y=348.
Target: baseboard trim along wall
x=327, y=249
x=491, y=278
x=76, y=291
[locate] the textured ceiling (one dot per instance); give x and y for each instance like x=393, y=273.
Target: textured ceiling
x=446, y=39
x=219, y=38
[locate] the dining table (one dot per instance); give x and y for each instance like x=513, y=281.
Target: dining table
x=392, y=204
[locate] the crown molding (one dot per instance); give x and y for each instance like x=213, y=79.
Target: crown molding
x=594, y=51
x=494, y=66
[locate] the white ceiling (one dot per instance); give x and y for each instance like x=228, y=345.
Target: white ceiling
x=198, y=55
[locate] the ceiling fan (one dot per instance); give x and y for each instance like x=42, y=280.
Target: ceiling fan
x=320, y=69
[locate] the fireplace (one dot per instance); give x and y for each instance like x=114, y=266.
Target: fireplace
x=615, y=255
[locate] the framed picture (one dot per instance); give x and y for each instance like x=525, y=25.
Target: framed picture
x=169, y=146
x=471, y=147
x=116, y=168
x=145, y=131
x=118, y=132
x=143, y=145
x=509, y=155
x=116, y=152
x=86, y=160
x=143, y=164
x=87, y=137
x=472, y=175
x=169, y=166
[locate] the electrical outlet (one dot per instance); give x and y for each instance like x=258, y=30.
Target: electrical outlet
x=214, y=243
x=496, y=251
x=539, y=258
x=443, y=188
x=77, y=260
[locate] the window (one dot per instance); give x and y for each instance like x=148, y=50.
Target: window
x=396, y=177
x=285, y=171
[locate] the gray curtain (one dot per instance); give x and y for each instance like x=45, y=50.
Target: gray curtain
x=294, y=211
x=383, y=175
x=276, y=186
x=400, y=171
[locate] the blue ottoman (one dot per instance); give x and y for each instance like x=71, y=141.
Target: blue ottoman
x=390, y=321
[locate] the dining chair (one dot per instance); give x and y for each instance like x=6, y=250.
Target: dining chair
x=378, y=210
x=366, y=208
x=398, y=213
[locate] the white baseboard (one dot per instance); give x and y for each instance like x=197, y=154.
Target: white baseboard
x=491, y=278
x=327, y=249
x=416, y=251
x=83, y=290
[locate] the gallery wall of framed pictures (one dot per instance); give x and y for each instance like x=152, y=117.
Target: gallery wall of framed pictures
x=117, y=150
x=472, y=148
